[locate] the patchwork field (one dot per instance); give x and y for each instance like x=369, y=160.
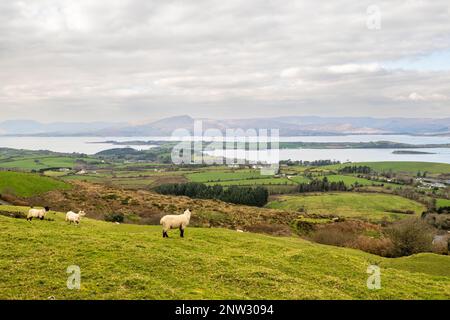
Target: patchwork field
x=219, y=176
x=351, y=180
x=135, y=262
x=255, y=182
x=400, y=166
x=28, y=184
x=369, y=206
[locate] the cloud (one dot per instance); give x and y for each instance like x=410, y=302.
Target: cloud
x=416, y=97
x=130, y=59
x=354, y=68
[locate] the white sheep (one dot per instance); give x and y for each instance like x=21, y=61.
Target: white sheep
x=175, y=221
x=74, y=217
x=37, y=213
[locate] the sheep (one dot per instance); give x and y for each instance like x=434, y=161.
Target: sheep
x=37, y=213
x=74, y=217
x=175, y=221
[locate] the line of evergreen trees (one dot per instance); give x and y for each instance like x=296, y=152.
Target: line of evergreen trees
x=356, y=169
x=323, y=185
x=257, y=196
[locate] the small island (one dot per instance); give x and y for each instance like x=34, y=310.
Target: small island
x=411, y=152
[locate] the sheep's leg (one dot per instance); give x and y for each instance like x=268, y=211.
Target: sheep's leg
x=165, y=235
x=42, y=218
x=181, y=232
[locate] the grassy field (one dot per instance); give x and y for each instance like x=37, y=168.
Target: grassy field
x=254, y=182
x=370, y=206
x=135, y=262
x=299, y=179
x=38, y=163
x=219, y=176
x=442, y=203
x=28, y=184
x=399, y=166
x=351, y=180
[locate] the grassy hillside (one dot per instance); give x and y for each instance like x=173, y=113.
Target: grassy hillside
x=400, y=166
x=38, y=162
x=371, y=206
x=28, y=184
x=135, y=262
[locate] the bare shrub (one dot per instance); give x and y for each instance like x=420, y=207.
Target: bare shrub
x=382, y=246
x=333, y=236
x=352, y=234
x=440, y=221
x=440, y=247
x=340, y=234
x=410, y=236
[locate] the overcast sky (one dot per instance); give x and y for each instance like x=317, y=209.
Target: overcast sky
x=142, y=60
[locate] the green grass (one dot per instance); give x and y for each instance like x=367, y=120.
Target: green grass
x=442, y=203
x=371, y=206
x=219, y=176
x=350, y=180
x=28, y=184
x=254, y=182
x=300, y=179
x=135, y=262
x=39, y=163
x=400, y=166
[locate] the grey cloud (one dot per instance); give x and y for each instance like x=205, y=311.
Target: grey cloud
x=147, y=59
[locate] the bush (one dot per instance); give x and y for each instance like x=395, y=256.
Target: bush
x=440, y=221
x=410, y=236
x=382, y=247
x=354, y=234
x=441, y=247
x=333, y=236
x=115, y=217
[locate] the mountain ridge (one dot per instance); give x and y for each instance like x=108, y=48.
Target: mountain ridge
x=288, y=126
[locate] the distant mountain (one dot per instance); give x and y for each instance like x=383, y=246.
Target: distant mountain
x=288, y=126
x=294, y=126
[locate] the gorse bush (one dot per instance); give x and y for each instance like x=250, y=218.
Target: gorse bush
x=257, y=196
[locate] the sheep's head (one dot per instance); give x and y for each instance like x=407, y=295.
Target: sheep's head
x=82, y=213
x=47, y=209
x=188, y=213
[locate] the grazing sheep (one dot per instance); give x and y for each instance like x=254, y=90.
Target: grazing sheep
x=37, y=213
x=74, y=217
x=175, y=221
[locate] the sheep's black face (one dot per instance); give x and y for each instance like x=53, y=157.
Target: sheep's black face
x=47, y=209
